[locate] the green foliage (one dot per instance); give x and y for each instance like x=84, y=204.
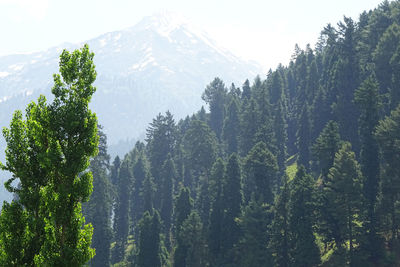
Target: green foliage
x=303, y=249
x=261, y=171
x=48, y=154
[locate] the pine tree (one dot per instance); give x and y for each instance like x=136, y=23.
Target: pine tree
x=249, y=122
x=191, y=236
x=303, y=249
x=232, y=199
x=161, y=138
x=252, y=249
x=149, y=243
x=280, y=234
x=166, y=191
x=214, y=95
x=325, y=147
x=231, y=128
x=140, y=172
x=183, y=208
x=98, y=209
x=121, y=211
x=261, y=172
x=368, y=100
x=343, y=190
x=387, y=134
x=304, y=138
x=215, y=236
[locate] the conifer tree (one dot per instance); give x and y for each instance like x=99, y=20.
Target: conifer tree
x=166, y=191
x=231, y=128
x=343, y=190
x=121, y=211
x=140, y=172
x=191, y=236
x=97, y=211
x=215, y=236
x=149, y=243
x=325, y=147
x=214, y=95
x=232, y=203
x=280, y=234
x=252, y=249
x=368, y=100
x=303, y=249
x=261, y=172
x=183, y=208
x=387, y=134
x=304, y=138
x=249, y=123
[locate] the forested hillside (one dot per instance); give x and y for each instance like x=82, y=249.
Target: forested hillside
x=298, y=169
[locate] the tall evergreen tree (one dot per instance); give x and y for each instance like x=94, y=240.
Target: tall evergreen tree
x=325, y=147
x=368, y=100
x=387, y=134
x=252, y=249
x=215, y=236
x=232, y=203
x=261, y=172
x=343, y=190
x=98, y=209
x=214, y=95
x=149, y=243
x=280, y=234
x=183, y=208
x=231, y=128
x=121, y=211
x=166, y=191
x=304, y=138
x=303, y=249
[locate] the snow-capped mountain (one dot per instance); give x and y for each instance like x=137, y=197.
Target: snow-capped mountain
x=162, y=63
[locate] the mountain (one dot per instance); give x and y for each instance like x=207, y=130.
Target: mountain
x=162, y=63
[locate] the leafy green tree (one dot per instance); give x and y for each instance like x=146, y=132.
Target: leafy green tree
x=48, y=153
x=214, y=95
x=261, y=171
x=343, y=190
x=303, y=249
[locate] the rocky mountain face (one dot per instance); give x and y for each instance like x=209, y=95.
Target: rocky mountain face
x=162, y=63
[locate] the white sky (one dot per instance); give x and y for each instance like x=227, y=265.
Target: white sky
x=261, y=30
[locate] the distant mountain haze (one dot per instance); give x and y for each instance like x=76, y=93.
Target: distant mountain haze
x=162, y=63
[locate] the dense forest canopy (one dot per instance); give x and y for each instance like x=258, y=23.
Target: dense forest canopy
x=297, y=169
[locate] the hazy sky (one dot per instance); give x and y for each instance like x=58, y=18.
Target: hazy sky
x=261, y=30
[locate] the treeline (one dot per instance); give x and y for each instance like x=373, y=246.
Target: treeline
x=298, y=169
